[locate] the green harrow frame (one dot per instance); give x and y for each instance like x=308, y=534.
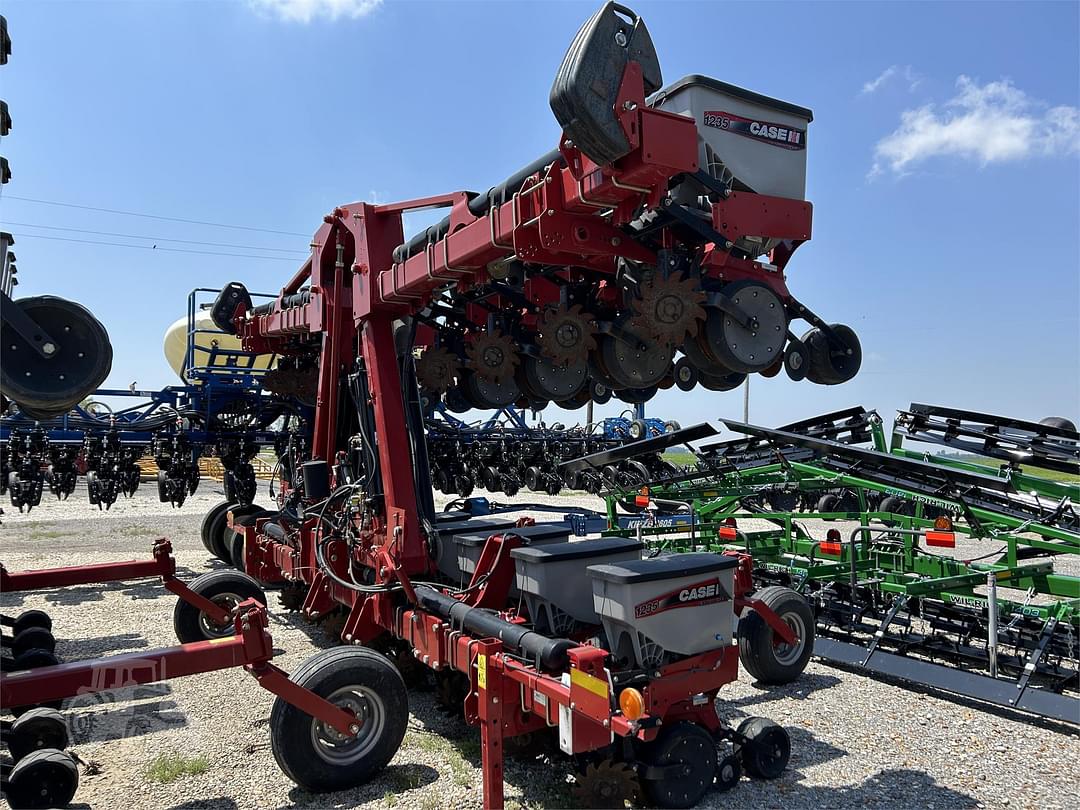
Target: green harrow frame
x=996, y=623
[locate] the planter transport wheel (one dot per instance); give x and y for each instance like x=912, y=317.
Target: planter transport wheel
x=317, y=757
x=38, y=729
x=219, y=532
x=45, y=778
x=236, y=539
x=764, y=655
x=692, y=752
x=226, y=588
x=766, y=754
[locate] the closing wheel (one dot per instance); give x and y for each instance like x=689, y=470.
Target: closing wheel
x=638, y=429
x=833, y=362
x=768, y=750
x=796, y=360
x=313, y=754
x=753, y=346
x=33, y=638
x=38, y=729
x=728, y=772
x=763, y=653
x=225, y=588
x=81, y=360
x=680, y=766
x=686, y=376
x=45, y=778
x=31, y=618
x=208, y=523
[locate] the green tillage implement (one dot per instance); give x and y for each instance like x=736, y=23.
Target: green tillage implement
x=885, y=601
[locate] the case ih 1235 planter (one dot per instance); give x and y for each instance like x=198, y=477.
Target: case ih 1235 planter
x=663, y=222
x=649, y=249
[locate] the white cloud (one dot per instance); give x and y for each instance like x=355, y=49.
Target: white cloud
x=907, y=73
x=307, y=10
x=991, y=123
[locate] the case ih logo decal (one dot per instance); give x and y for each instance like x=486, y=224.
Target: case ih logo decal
x=770, y=133
x=702, y=593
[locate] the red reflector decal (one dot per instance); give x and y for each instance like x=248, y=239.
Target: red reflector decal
x=831, y=548
x=728, y=532
x=941, y=539
x=641, y=500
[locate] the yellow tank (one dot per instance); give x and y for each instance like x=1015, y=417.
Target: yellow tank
x=208, y=337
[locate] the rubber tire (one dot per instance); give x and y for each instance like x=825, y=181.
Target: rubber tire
x=324, y=673
x=829, y=502
x=33, y=638
x=796, y=360
x=235, y=543
x=38, y=729
x=638, y=430
x=48, y=770
x=824, y=369
x=31, y=618
x=728, y=772
x=664, y=751
x=207, y=523
x=758, y=763
x=219, y=529
x=756, y=649
x=186, y=623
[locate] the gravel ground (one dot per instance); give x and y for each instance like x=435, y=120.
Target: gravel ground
x=856, y=742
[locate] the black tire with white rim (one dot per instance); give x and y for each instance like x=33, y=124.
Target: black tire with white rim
x=45, y=778
x=35, y=730
x=225, y=588
x=692, y=750
x=313, y=754
x=763, y=654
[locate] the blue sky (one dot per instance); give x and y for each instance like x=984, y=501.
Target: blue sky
x=943, y=162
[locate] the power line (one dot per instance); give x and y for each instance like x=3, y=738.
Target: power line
x=155, y=247
x=157, y=238
x=152, y=216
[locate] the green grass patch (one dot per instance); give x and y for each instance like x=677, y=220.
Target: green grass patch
x=46, y=534
x=680, y=457
x=1030, y=469
x=170, y=767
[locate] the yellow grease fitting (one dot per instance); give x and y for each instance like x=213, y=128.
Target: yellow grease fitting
x=590, y=682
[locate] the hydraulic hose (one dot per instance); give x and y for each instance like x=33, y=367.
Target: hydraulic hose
x=550, y=653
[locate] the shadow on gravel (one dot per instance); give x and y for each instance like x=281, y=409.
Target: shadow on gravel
x=79, y=648
x=119, y=722
x=892, y=788
x=395, y=781
x=220, y=803
x=806, y=685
